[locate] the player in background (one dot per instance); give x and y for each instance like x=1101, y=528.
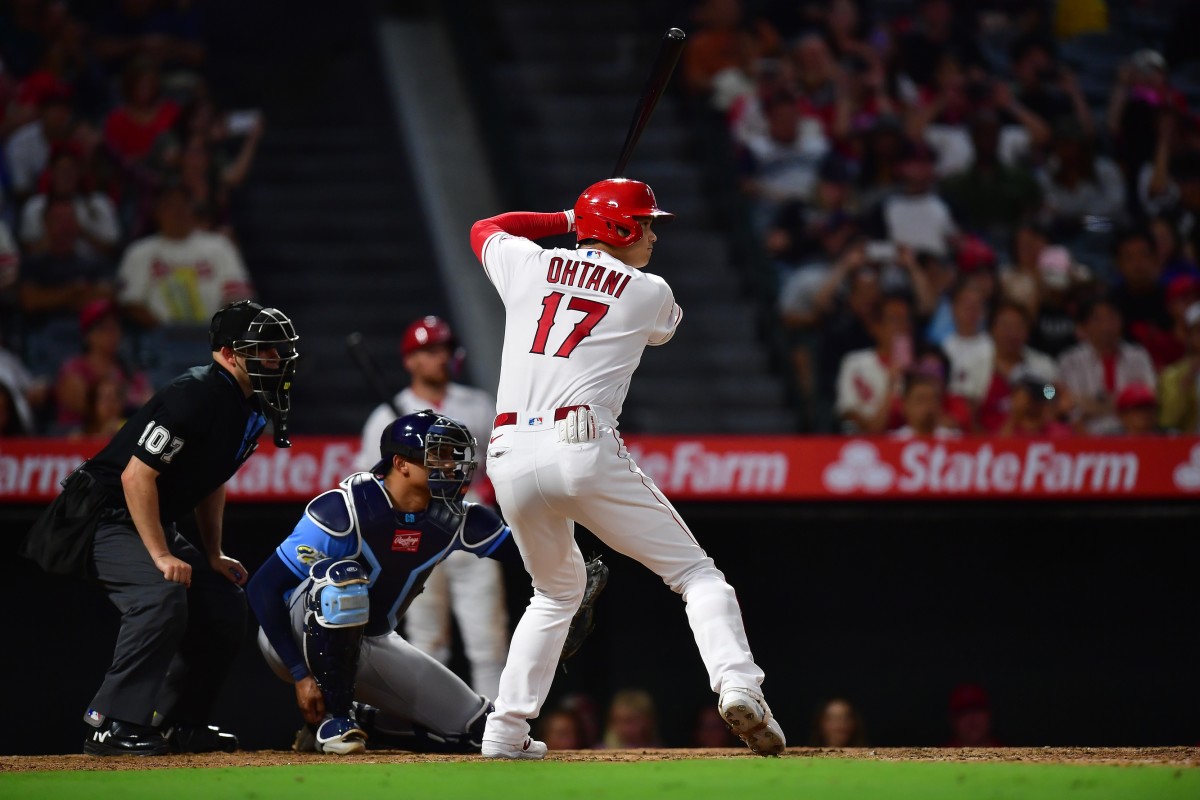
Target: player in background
x=473, y=588
x=576, y=323
x=182, y=611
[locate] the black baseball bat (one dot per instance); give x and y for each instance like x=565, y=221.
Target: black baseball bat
x=370, y=371
x=656, y=83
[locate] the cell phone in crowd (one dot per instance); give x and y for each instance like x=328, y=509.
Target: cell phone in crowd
x=240, y=123
x=881, y=252
x=902, y=351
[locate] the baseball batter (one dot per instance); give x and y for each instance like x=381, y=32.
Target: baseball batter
x=576, y=323
x=473, y=588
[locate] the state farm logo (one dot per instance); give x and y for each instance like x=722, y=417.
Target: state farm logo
x=1187, y=474
x=1039, y=468
x=689, y=466
x=859, y=467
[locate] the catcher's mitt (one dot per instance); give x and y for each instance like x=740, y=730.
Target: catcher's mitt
x=584, y=619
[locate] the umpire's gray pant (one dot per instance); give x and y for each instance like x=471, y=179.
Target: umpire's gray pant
x=394, y=676
x=176, y=644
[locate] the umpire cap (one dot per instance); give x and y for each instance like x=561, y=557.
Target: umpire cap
x=231, y=323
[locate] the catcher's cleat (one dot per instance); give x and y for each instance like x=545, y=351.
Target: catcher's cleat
x=748, y=716
x=341, y=736
x=529, y=749
x=305, y=741
x=118, y=738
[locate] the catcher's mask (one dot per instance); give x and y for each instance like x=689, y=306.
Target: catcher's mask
x=266, y=339
x=442, y=445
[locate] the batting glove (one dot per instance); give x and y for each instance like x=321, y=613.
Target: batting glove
x=578, y=427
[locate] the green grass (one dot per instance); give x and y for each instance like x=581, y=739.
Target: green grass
x=754, y=779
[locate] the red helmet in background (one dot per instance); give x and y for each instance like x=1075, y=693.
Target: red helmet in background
x=425, y=332
x=616, y=203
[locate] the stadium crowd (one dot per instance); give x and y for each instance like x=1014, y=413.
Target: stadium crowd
x=982, y=216
x=116, y=239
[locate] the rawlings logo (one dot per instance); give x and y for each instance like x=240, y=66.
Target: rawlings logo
x=406, y=541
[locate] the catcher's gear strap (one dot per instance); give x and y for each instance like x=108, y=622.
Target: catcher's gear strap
x=482, y=531
x=338, y=594
x=584, y=620
x=526, y=224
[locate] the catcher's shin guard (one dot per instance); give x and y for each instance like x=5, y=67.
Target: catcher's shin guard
x=337, y=612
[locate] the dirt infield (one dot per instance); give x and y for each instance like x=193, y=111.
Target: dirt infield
x=1173, y=756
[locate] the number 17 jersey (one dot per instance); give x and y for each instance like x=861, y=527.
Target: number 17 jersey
x=576, y=324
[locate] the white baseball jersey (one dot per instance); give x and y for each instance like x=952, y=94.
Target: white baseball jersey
x=576, y=324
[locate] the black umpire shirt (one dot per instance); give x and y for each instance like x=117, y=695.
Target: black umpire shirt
x=196, y=431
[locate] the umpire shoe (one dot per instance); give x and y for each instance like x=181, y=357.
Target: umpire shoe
x=184, y=737
x=118, y=738
x=748, y=716
x=530, y=748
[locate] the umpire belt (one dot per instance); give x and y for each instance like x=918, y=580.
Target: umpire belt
x=537, y=420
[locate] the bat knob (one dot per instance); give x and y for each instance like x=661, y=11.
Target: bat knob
x=676, y=33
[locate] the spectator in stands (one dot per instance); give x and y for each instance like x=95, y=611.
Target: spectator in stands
x=28, y=149
x=971, y=717
x=68, y=177
x=1032, y=410
x=881, y=148
x=917, y=216
x=1062, y=283
x=968, y=348
x=26, y=394
x=132, y=128
x=989, y=197
x=725, y=43
x=58, y=282
x=10, y=419
x=976, y=265
x=936, y=34
x=848, y=303
x=562, y=728
x=923, y=404
x=1137, y=410
x=1173, y=260
x=104, y=412
x=800, y=231
x=180, y=275
x=866, y=88
x=167, y=34
x=587, y=711
x=1020, y=280
x=632, y=721
x=10, y=260
x=101, y=361
x=1101, y=365
x=837, y=724
x=710, y=731
x=1139, y=97
x=1045, y=87
x=782, y=164
x=1178, y=387
x=1182, y=292
x=869, y=381
x=824, y=92
x=1077, y=183
x=1010, y=360
x=1141, y=297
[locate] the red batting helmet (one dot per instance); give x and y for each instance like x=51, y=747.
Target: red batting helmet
x=424, y=332
x=616, y=203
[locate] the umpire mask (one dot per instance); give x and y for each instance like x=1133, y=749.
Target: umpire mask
x=268, y=346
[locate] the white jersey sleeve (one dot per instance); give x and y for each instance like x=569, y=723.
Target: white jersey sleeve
x=505, y=257
x=668, y=320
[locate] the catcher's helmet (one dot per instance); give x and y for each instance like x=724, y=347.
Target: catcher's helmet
x=442, y=445
x=609, y=205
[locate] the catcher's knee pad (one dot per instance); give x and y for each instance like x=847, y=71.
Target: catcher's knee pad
x=336, y=612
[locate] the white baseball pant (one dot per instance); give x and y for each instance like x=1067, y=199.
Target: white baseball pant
x=544, y=486
x=473, y=588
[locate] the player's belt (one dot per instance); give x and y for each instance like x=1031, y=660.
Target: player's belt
x=510, y=417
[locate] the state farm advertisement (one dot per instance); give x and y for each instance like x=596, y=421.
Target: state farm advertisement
x=736, y=468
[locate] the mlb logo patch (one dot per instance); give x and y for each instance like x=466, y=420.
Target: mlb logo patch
x=406, y=541
x=94, y=717
x=535, y=421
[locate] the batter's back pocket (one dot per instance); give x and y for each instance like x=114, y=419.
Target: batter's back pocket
x=60, y=542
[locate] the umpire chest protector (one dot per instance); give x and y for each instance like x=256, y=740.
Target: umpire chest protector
x=398, y=549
